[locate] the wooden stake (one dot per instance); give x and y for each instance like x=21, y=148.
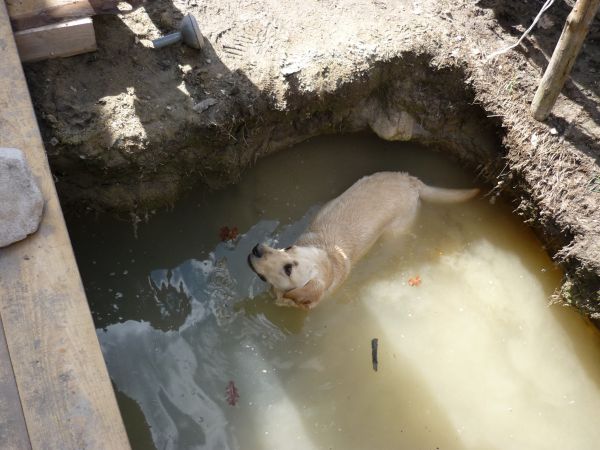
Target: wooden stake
x=566, y=51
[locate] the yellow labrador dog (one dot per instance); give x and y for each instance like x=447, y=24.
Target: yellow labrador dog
x=341, y=233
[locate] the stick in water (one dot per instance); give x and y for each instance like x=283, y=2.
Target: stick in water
x=374, y=342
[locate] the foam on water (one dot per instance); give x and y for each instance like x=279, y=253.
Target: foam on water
x=472, y=357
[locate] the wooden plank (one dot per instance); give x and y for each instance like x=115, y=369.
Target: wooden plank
x=35, y=13
x=26, y=14
x=63, y=384
x=13, y=432
x=566, y=51
x=59, y=40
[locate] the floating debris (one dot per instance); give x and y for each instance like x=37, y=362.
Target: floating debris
x=232, y=394
x=374, y=344
x=228, y=234
x=414, y=281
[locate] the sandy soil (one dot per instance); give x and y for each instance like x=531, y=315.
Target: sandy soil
x=129, y=128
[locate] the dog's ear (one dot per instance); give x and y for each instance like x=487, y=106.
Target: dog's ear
x=306, y=296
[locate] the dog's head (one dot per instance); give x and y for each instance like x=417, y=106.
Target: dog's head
x=294, y=273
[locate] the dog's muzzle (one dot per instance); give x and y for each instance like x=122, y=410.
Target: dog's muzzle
x=257, y=252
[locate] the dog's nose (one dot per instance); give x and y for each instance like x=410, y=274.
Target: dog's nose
x=257, y=250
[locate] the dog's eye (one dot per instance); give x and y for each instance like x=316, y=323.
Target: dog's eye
x=288, y=269
x=288, y=248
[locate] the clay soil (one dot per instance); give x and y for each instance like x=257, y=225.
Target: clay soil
x=129, y=128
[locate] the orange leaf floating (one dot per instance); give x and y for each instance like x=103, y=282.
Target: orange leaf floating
x=228, y=234
x=224, y=233
x=232, y=393
x=415, y=281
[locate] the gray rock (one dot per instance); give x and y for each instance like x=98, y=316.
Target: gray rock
x=391, y=124
x=204, y=104
x=21, y=202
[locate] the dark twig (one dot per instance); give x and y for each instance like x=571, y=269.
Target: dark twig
x=374, y=342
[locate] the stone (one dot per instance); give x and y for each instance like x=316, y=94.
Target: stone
x=391, y=124
x=204, y=104
x=21, y=202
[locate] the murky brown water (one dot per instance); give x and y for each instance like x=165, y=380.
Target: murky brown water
x=471, y=358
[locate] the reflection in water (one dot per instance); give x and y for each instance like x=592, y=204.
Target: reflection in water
x=471, y=358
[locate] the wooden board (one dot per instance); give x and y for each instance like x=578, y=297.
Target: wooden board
x=26, y=14
x=13, y=432
x=66, y=394
x=35, y=13
x=59, y=40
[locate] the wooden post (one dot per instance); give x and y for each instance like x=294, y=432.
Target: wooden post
x=566, y=51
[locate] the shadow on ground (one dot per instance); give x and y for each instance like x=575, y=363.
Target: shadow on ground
x=583, y=86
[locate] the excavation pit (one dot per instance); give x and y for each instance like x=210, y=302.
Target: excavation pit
x=201, y=356
x=129, y=130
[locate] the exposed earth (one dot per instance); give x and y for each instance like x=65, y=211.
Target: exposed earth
x=129, y=128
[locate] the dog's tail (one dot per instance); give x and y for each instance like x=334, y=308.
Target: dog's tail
x=443, y=195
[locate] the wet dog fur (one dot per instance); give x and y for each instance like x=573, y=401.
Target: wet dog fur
x=341, y=233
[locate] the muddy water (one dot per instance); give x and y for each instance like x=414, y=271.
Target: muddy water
x=470, y=356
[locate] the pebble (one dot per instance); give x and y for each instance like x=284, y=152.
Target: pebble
x=204, y=104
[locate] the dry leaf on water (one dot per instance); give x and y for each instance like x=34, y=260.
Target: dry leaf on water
x=228, y=234
x=414, y=281
x=232, y=394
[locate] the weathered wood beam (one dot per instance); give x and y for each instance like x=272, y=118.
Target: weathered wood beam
x=566, y=51
x=58, y=40
x=13, y=431
x=65, y=392
x=26, y=14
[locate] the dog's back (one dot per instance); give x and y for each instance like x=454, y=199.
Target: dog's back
x=357, y=218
